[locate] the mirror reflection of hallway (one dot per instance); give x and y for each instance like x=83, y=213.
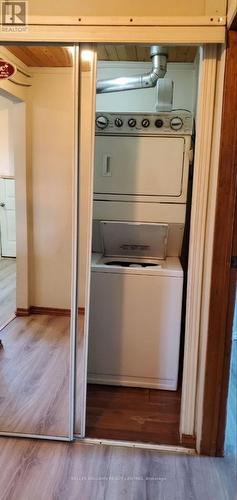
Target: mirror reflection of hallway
x=34, y=359
x=7, y=211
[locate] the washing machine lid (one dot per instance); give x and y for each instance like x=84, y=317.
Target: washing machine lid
x=134, y=239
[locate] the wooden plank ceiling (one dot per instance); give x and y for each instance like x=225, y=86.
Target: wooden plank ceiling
x=141, y=53
x=42, y=56
x=51, y=56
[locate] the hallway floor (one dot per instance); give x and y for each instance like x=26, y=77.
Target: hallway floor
x=57, y=471
x=34, y=375
x=7, y=289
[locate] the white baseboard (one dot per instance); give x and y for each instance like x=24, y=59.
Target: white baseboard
x=123, y=381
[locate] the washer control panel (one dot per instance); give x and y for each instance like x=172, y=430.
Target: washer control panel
x=169, y=123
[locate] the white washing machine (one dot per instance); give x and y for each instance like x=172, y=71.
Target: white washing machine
x=140, y=193
x=135, y=308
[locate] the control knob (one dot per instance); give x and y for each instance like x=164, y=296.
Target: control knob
x=118, y=122
x=132, y=122
x=145, y=122
x=102, y=122
x=176, y=123
x=159, y=123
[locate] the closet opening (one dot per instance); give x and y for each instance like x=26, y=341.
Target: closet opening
x=143, y=173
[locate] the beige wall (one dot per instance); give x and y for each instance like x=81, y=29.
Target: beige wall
x=42, y=133
x=51, y=183
x=50, y=225
x=49, y=128
x=6, y=146
x=125, y=8
x=17, y=97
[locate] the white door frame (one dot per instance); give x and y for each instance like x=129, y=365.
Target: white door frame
x=87, y=106
x=206, y=165
x=209, y=239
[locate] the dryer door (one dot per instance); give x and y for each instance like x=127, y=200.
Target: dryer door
x=148, y=168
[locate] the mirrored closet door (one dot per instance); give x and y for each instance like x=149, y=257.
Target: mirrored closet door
x=37, y=114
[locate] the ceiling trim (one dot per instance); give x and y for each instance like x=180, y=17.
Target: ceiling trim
x=128, y=20
x=117, y=34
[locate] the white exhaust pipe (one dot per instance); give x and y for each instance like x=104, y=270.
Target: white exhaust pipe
x=147, y=80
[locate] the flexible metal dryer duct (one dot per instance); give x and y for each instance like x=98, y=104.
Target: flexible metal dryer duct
x=147, y=80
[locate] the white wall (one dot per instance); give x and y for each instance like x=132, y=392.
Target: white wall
x=6, y=137
x=183, y=75
x=50, y=223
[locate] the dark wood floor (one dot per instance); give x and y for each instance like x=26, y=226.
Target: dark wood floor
x=133, y=414
x=36, y=470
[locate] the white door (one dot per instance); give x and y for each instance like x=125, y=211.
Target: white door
x=7, y=217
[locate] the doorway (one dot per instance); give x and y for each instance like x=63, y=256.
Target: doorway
x=122, y=406
x=87, y=77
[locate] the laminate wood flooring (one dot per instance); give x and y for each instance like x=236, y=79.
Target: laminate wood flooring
x=133, y=414
x=34, y=375
x=34, y=470
x=7, y=289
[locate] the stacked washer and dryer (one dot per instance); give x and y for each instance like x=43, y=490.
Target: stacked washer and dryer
x=140, y=195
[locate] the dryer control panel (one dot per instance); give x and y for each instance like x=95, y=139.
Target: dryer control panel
x=173, y=123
